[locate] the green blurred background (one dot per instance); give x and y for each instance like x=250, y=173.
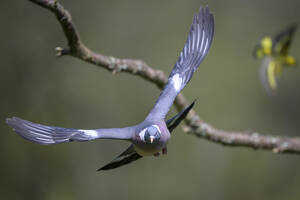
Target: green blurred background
x=67, y=92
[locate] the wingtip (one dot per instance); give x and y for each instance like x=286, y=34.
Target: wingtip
x=191, y=105
x=207, y=8
x=10, y=120
x=7, y=120
x=104, y=168
x=203, y=10
x=195, y=100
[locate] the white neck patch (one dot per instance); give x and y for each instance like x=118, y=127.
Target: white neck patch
x=142, y=134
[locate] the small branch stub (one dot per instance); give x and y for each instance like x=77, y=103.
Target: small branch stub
x=61, y=51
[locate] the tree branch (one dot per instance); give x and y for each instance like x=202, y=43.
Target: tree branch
x=137, y=67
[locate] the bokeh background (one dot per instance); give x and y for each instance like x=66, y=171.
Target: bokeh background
x=67, y=92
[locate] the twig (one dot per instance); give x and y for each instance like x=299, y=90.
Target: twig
x=137, y=67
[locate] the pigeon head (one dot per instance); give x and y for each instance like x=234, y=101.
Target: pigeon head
x=152, y=134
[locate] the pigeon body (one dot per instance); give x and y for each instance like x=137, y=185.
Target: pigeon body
x=147, y=148
x=130, y=154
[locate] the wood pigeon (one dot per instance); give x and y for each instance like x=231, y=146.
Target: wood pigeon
x=152, y=135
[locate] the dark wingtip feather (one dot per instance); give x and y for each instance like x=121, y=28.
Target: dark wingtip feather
x=175, y=121
x=192, y=104
x=120, y=161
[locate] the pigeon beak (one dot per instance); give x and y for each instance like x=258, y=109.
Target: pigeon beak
x=151, y=139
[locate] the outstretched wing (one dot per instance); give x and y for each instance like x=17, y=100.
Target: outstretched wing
x=42, y=134
x=283, y=40
x=195, y=50
x=130, y=155
x=270, y=71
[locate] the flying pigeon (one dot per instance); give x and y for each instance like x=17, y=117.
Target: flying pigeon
x=151, y=136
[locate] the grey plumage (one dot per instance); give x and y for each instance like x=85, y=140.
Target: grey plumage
x=43, y=134
x=195, y=50
x=152, y=135
x=196, y=47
